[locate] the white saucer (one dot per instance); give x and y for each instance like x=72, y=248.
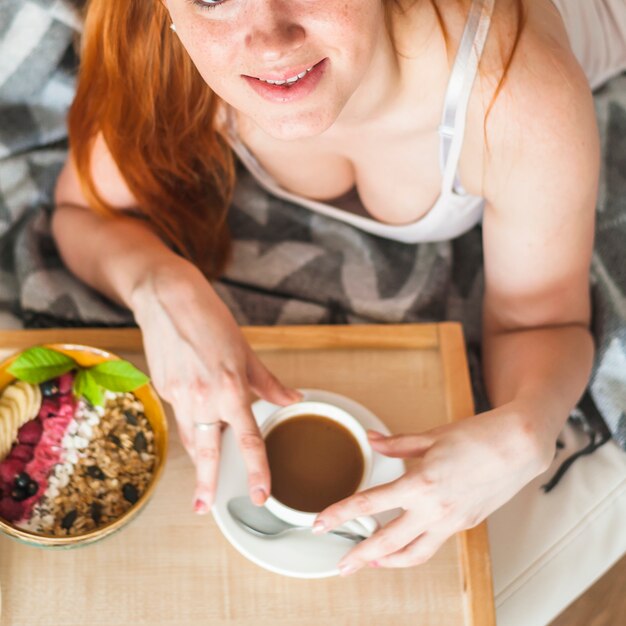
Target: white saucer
x=298, y=554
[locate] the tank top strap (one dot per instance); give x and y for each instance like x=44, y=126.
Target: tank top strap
x=452, y=127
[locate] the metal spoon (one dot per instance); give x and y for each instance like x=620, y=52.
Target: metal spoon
x=257, y=520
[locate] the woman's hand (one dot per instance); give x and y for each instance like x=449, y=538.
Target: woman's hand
x=458, y=475
x=201, y=364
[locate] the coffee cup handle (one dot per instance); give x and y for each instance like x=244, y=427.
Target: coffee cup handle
x=364, y=525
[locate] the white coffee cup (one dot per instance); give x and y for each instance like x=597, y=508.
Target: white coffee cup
x=363, y=525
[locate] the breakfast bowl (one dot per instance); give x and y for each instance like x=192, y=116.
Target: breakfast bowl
x=83, y=442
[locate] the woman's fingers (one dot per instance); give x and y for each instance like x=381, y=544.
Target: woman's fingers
x=401, y=543
x=234, y=405
x=417, y=552
x=253, y=451
x=207, y=440
x=181, y=405
x=381, y=498
x=388, y=540
x=266, y=385
x=201, y=442
x=399, y=445
x=202, y=408
x=186, y=433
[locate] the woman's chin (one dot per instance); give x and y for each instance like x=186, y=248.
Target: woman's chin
x=290, y=128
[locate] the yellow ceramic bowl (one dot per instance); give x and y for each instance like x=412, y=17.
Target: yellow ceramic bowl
x=88, y=356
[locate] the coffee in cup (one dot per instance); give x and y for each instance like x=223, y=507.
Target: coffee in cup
x=318, y=454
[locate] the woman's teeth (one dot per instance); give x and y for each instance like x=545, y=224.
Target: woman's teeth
x=288, y=81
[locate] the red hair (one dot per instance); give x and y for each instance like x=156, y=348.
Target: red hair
x=138, y=88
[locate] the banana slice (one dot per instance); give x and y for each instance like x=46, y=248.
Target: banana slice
x=29, y=394
x=5, y=431
x=32, y=394
x=34, y=412
x=8, y=417
x=31, y=399
x=19, y=403
x=22, y=397
x=11, y=416
x=11, y=403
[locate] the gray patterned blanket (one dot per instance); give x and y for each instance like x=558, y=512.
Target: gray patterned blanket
x=290, y=266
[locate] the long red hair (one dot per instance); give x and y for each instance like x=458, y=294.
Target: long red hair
x=138, y=88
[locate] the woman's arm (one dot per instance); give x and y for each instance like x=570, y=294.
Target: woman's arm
x=540, y=182
x=538, y=239
x=198, y=358
x=114, y=256
x=541, y=373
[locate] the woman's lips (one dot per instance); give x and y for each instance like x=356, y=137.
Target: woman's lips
x=298, y=90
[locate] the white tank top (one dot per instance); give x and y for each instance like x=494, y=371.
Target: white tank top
x=593, y=26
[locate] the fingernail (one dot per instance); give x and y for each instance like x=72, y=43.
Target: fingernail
x=318, y=528
x=373, y=434
x=347, y=569
x=200, y=507
x=374, y=564
x=259, y=496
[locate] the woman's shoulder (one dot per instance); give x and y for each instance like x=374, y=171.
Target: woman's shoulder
x=532, y=50
x=527, y=53
x=538, y=99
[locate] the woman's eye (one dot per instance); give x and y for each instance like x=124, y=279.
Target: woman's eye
x=207, y=4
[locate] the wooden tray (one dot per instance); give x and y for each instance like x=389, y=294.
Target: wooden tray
x=173, y=567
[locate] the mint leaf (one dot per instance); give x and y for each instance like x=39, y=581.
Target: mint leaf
x=85, y=386
x=36, y=365
x=118, y=376
x=78, y=387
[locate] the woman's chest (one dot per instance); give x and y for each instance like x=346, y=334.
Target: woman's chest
x=397, y=176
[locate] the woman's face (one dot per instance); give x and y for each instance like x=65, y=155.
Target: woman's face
x=323, y=48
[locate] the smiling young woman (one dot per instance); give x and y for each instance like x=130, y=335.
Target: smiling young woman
x=156, y=110
x=440, y=114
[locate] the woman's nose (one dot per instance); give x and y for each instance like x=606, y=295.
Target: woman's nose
x=274, y=34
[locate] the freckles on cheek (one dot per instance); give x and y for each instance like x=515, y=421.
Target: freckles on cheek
x=211, y=57
x=354, y=29
x=213, y=40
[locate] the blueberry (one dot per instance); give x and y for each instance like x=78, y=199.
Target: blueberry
x=19, y=494
x=140, y=444
x=131, y=418
x=95, y=472
x=22, y=480
x=49, y=388
x=130, y=493
x=32, y=488
x=96, y=512
x=69, y=519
